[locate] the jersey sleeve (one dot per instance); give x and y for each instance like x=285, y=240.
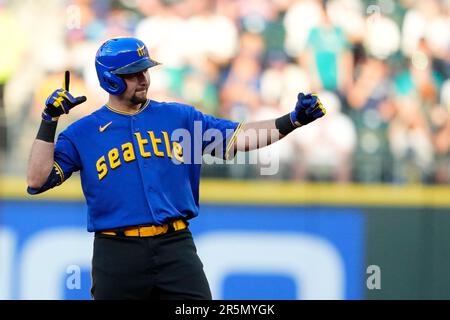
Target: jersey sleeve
x=67, y=158
x=66, y=161
x=219, y=135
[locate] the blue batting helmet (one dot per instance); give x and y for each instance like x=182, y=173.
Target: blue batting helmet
x=120, y=56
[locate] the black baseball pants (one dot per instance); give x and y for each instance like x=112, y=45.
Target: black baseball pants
x=163, y=267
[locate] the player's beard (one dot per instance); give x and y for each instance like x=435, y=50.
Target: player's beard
x=138, y=99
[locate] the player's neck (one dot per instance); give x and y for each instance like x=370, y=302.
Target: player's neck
x=124, y=106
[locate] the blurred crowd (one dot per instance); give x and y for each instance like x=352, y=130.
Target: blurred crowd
x=381, y=68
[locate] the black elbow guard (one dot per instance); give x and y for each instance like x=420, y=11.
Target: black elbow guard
x=55, y=178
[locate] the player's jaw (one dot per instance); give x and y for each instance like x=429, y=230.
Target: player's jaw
x=139, y=96
x=137, y=87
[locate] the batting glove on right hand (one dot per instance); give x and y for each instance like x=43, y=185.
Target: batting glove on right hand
x=307, y=109
x=60, y=101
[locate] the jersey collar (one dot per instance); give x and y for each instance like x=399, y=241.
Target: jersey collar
x=128, y=113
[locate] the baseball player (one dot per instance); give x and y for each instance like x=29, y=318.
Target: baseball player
x=139, y=176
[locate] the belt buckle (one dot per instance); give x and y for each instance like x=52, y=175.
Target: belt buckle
x=178, y=225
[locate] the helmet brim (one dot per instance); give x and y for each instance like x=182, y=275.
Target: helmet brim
x=136, y=66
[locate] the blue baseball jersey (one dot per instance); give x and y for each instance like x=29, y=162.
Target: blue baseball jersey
x=142, y=168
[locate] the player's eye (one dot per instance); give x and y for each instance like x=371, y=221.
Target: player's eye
x=137, y=75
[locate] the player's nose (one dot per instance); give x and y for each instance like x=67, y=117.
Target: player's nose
x=143, y=79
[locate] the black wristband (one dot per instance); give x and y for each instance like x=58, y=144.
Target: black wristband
x=285, y=125
x=47, y=131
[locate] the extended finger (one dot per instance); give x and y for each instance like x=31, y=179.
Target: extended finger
x=66, y=80
x=300, y=96
x=79, y=100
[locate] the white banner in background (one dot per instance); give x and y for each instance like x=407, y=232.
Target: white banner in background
x=312, y=262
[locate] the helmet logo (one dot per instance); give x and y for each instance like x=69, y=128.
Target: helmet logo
x=141, y=51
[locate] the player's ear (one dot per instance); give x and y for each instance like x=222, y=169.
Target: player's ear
x=116, y=85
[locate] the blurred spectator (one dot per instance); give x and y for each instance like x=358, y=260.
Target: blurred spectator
x=325, y=151
x=328, y=56
x=11, y=54
x=240, y=94
x=371, y=111
x=300, y=18
x=348, y=14
x=440, y=125
x=165, y=35
x=198, y=86
x=411, y=143
x=442, y=147
x=411, y=131
x=252, y=45
x=210, y=35
x=420, y=81
x=281, y=81
x=429, y=20
x=385, y=67
x=382, y=36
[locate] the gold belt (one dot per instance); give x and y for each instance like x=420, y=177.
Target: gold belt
x=148, y=231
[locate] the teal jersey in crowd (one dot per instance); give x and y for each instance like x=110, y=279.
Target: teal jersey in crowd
x=326, y=46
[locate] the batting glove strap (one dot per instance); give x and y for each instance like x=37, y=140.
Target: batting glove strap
x=49, y=118
x=285, y=125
